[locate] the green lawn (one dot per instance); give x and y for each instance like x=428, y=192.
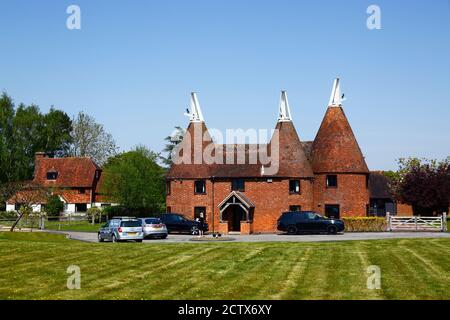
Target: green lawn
x=33, y=266
x=56, y=225
x=73, y=226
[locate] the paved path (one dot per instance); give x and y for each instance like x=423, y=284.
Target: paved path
x=179, y=238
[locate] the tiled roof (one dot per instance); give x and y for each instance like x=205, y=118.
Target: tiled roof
x=73, y=196
x=335, y=148
x=100, y=195
x=292, y=159
x=29, y=197
x=307, y=146
x=72, y=172
x=379, y=185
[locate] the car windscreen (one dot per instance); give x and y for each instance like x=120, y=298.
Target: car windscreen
x=131, y=223
x=152, y=221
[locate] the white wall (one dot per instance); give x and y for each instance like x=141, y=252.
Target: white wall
x=69, y=208
x=12, y=207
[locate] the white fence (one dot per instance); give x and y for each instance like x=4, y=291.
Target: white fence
x=416, y=223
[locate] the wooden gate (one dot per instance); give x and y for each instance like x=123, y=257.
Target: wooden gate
x=416, y=223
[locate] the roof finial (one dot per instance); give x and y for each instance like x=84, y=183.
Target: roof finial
x=336, y=98
x=194, y=112
x=285, y=111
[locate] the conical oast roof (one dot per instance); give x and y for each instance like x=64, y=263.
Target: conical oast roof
x=292, y=158
x=191, y=164
x=335, y=149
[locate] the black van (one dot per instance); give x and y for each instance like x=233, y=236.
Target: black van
x=308, y=222
x=178, y=223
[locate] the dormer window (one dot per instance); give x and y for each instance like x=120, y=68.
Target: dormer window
x=52, y=175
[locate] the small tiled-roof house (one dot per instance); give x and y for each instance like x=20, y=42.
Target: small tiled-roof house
x=328, y=175
x=75, y=180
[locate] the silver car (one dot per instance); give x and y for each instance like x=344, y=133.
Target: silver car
x=153, y=227
x=121, y=230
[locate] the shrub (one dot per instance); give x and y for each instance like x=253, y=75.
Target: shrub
x=8, y=215
x=112, y=211
x=54, y=206
x=94, y=214
x=117, y=211
x=365, y=224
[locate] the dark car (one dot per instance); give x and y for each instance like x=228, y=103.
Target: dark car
x=308, y=222
x=178, y=223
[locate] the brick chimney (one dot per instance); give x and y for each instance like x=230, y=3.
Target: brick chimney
x=39, y=155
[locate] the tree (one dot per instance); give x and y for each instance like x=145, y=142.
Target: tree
x=27, y=140
x=423, y=184
x=6, y=133
x=54, y=205
x=27, y=195
x=135, y=180
x=94, y=213
x=57, y=133
x=24, y=131
x=91, y=140
x=172, y=141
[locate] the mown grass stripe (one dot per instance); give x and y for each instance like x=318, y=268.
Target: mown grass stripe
x=34, y=266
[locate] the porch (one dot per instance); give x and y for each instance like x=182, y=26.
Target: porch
x=236, y=214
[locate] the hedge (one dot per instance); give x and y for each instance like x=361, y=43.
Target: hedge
x=365, y=224
x=8, y=215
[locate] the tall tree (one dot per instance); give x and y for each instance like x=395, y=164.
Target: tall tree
x=24, y=131
x=91, y=140
x=57, y=132
x=27, y=140
x=135, y=180
x=172, y=141
x=6, y=132
x=423, y=184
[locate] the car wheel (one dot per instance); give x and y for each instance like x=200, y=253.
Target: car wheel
x=100, y=239
x=194, y=231
x=292, y=229
x=164, y=237
x=139, y=240
x=332, y=230
x=113, y=238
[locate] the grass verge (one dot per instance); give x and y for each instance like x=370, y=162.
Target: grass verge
x=34, y=267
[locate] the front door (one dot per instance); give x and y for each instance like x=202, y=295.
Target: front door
x=234, y=221
x=332, y=211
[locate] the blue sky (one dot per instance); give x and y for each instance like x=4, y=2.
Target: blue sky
x=133, y=64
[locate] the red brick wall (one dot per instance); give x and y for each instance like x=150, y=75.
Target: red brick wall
x=270, y=200
x=351, y=194
x=407, y=210
x=404, y=210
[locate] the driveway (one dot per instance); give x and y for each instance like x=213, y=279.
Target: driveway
x=179, y=238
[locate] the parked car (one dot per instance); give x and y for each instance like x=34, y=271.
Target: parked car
x=308, y=222
x=178, y=223
x=153, y=228
x=121, y=229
